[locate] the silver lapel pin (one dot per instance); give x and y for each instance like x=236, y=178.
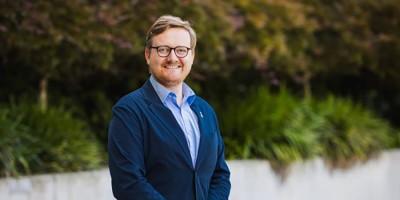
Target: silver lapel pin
x=201, y=114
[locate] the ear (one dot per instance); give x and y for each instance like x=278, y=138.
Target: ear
x=147, y=55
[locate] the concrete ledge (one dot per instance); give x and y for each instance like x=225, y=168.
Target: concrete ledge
x=68, y=186
x=251, y=179
x=377, y=179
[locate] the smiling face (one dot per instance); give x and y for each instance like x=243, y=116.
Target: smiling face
x=170, y=71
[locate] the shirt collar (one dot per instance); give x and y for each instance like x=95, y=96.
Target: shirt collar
x=163, y=92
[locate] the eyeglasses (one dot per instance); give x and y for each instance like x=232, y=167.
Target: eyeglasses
x=164, y=51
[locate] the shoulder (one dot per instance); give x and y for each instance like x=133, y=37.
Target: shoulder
x=205, y=106
x=202, y=103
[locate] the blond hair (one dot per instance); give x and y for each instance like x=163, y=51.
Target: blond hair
x=166, y=22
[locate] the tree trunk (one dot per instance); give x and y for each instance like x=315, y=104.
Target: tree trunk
x=43, y=93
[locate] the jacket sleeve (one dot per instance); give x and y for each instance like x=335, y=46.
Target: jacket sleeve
x=126, y=157
x=220, y=184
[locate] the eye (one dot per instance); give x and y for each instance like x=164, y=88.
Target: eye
x=181, y=50
x=163, y=49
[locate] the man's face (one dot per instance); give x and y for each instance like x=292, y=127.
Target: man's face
x=170, y=71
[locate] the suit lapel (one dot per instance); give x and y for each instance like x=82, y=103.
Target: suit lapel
x=203, y=133
x=166, y=118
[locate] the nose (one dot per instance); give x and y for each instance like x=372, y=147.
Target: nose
x=172, y=56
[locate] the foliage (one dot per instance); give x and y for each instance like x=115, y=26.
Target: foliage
x=15, y=156
x=277, y=36
x=352, y=132
x=282, y=128
x=90, y=53
x=304, y=42
x=39, y=142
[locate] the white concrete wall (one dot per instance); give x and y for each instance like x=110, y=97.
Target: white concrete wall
x=93, y=185
x=378, y=179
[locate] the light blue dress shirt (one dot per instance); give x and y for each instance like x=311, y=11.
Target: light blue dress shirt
x=183, y=114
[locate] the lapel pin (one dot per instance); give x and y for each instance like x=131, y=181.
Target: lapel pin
x=201, y=114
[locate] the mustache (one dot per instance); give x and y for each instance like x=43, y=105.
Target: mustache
x=171, y=62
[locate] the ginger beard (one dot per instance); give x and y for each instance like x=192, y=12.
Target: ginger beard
x=170, y=71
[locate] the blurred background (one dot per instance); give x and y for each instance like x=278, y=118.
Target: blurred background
x=289, y=80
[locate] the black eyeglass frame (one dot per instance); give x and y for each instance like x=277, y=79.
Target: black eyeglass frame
x=170, y=50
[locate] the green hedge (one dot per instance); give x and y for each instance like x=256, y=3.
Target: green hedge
x=35, y=141
x=282, y=128
x=274, y=126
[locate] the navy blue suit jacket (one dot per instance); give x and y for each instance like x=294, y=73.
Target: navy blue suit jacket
x=149, y=156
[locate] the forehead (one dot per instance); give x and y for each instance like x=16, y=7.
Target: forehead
x=172, y=37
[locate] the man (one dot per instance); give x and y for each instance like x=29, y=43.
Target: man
x=164, y=141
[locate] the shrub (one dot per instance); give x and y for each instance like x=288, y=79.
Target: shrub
x=351, y=132
x=35, y=141
x=15, y=154
x=282, y=128
x=276, y=127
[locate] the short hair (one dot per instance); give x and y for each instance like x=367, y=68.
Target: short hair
x=166, y=22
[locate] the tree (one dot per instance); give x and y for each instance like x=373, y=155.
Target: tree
x=55, y=36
